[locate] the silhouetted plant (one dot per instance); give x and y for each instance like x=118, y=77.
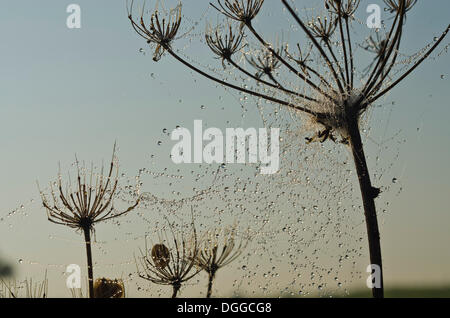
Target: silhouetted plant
x=90, y=203
x=172, y=261
x=109, y=288
x=218, y=249
x=331, y=96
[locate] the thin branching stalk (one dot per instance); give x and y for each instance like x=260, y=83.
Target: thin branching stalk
x=90, y=267
x=211, y=277
x=368, y=193
x=171, y=261
x=91, y=202
x=219, y=248
x=266, y=97
x=335, y=104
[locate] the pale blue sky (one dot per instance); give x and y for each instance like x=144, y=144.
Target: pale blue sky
x=65, y=91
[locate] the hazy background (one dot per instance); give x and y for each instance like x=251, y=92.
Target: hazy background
x=66, y=91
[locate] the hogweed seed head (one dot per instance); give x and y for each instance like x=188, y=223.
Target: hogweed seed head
x=160, y=255
x=243, y=11
x=160, y=32
x=336, y=93
x=323, y=28
x=344, y=7
x=91, y=202
x=395, y=5
x=220, y=247
x=172, y=260
x=328, y=80
x=109, y=288
x=375, y=45
x=302, y=60
x=224, y=45
x=265, y=62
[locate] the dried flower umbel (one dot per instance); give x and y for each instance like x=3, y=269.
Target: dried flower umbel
x=90, y=203
x=109, y=288
x=330, y=94
x=160, y=32
x=394, y=5
x=224, y=45
x=218, y=249
x=172, y=261
x=243, y=11
x=266, y=64
x=347, y=8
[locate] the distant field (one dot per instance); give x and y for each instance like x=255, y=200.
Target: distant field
x=428, y=292
x=398, y=292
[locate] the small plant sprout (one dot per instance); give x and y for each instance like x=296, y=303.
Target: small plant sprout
x=172, y=261
x=323, y=84
x=91, y=202
x=218, y=249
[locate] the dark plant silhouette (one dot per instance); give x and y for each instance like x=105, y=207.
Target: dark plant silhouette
x=91, y=202
x=172, y=261
x=331, y=96
x=109, y=288
x=218, y=249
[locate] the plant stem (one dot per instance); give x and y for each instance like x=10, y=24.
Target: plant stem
x=176, y=288
x=87, y=239
x=368, y=197
x=210, y=283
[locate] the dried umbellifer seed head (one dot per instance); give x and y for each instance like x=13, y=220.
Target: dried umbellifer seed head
x=109, y=288
x=160, y=255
